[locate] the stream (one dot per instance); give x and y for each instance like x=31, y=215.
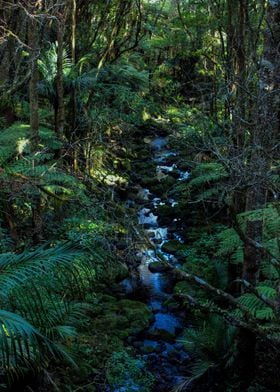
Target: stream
x=160, y=345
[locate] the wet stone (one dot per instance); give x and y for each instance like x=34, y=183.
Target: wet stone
x=158, y=266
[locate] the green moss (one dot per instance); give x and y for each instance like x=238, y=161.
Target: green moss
x=166, y=211
x=158, y=266
x=116, y=272
x=175, y=247
x=181, y=288
x=168, y=181
x=121, y=317
x=127, y=373
x=137, y=313
x=148, y=181
x=158, y=189
x=113, y=321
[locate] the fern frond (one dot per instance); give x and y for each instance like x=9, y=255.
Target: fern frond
x=257, y=307
x=18, y=268
x=22, y=345
x=206, y=173
x=229, y=242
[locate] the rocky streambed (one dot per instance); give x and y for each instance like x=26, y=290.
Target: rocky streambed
x=159, y=344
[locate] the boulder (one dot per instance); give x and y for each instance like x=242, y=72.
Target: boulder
x=158, y=266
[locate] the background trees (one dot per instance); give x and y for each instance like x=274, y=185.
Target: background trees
x=80, y=83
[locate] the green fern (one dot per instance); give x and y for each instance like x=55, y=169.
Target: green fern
x=206, y=173
x=19, y=268
x=256, y=306
x=209, y=345
x=229, y=243
x=40, y=286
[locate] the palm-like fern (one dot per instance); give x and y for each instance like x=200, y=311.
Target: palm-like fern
x=209, y=345
x=34, y=173
x=48, y=69
x=37, y=316
x=21, y=343
x=16, y=269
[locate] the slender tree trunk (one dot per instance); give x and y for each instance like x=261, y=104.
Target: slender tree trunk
x=237, y=59
x=240, y=54
x=33, y=42
x=73, y=30
x=252, y=256
x=75, y=152
x=60, y=116
x=33, y=94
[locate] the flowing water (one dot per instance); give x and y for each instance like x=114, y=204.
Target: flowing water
x=160, y=344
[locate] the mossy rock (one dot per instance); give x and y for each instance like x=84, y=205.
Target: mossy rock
x=152, y=348
x=174, y=247
x=112, y=322
x=181, y=288
x=116, y=273
x=121, y=317
x=158, y=266
x=183, y=166
x=166, y=214
x=168, y=181
x=93, y=350
x=171, y=304
x=105, y=303
x=166, y=211
x=158, y=189
x=175, y=174
x=137, y=313
x=147, y=181
x=147, y=349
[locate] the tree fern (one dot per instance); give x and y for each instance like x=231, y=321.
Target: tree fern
x=48, y=69
x=38, y=286
x=23, y=346
x=35, y=173
x=209, y=345
x=18, y=268
x=206, y=173
x=229, y=243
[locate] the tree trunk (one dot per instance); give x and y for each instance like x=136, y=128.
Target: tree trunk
x=238, y=57
x=75, y=152
x=264, y=135
x=33, y=94
x=60, y=118
x=269, y=86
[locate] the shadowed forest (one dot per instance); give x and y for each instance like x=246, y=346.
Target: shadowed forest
x=139, y=195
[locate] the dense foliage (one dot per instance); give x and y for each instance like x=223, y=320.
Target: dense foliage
x=85, y=86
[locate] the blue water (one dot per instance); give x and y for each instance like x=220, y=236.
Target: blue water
x=166, y=322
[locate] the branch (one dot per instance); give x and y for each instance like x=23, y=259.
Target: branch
x=232, y=320
x=41, y=187
x=213, y=290
x=211, y=308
